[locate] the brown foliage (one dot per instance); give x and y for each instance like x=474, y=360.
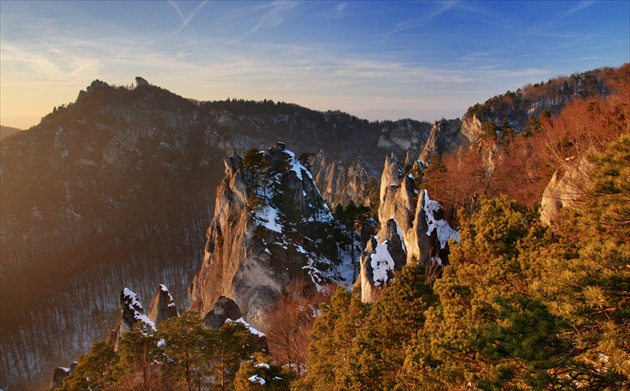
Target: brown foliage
x=289, y=322
x=522, y=168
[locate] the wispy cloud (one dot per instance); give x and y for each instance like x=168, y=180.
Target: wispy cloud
x=414, y=23
x=274, y=14
x=185, y=19
x=340, y=9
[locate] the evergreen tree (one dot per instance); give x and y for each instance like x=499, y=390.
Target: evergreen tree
x=588, y=281
x=233, y=343
x=140, y=353
x=331, y=340
x=188, y=348
x=95, y=371
x=379, y=349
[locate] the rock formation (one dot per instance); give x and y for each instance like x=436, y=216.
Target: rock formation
x=471, y=127
x=340, y=183
x=269, y=228
x=564, y=190
x=61, y=373
x=413, y=229
x=162, y=306
x=131, y=312
x=223, y=310
x=446, y=136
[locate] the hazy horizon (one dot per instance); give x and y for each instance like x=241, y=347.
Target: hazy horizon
x=376, y=60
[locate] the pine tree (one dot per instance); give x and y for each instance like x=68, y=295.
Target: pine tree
x=233, y=344
x=331, y=340
x=379, y=349
x=95, y=371
x=588, y=280
x=188, y=348
x=141, y=358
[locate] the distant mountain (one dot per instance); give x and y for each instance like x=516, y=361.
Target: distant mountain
x=6, y=131
x=516, y=107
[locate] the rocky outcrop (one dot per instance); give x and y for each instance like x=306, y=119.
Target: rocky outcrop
x=268, y=229
x=59, y=374
x=405, y=136
x=413, y=229
x=223, y=310
x=471, y=127
x=446, y=136
x=162, y=306
x=382, y=257
x=565, y=190
x=131, y=312
x=340, y=183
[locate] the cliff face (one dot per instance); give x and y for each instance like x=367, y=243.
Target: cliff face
x=270, y=226
x=446, y=136
x=565, y=190
x=339, y=183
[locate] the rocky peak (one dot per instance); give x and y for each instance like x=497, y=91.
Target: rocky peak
x=383, y=255
x=340, y=183
x=413, y=229
x=131, y=312
x=162, y=306
x=446, y=135
x=471, y=127
x=269, y=228
x=141, y=82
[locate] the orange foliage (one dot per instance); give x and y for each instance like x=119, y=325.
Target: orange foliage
x=522, y=168
x=288, y=324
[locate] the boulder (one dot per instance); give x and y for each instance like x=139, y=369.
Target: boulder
x=223, y=309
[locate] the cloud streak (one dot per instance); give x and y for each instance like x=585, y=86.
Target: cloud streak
x=185, y=19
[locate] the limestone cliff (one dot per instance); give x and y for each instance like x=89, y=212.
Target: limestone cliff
x=340, y=183
x=565, y=189
x=446, y=136
x=471, y=127
x=270, y=226
x=413, y=229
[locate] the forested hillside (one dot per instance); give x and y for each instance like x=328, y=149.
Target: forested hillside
x=521, y=305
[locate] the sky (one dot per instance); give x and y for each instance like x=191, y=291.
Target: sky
x=378, y=60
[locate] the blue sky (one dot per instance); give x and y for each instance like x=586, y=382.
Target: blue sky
x=376, y=60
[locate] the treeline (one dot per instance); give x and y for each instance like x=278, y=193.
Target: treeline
x=181, y=354
x=519, y=163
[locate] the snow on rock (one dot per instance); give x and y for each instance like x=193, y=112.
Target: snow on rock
x=268, y=217
x=382, y=263
x=132, y=310
x=247, y=326
x=257, y=379
x=441, y=226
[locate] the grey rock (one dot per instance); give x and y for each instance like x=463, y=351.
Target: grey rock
x=223, y=309
x=162, y=306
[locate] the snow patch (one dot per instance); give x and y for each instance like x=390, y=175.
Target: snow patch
x=247, y=325
x=257, y=379
x=443, y=230
x=381, y=262
x=268, y=216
